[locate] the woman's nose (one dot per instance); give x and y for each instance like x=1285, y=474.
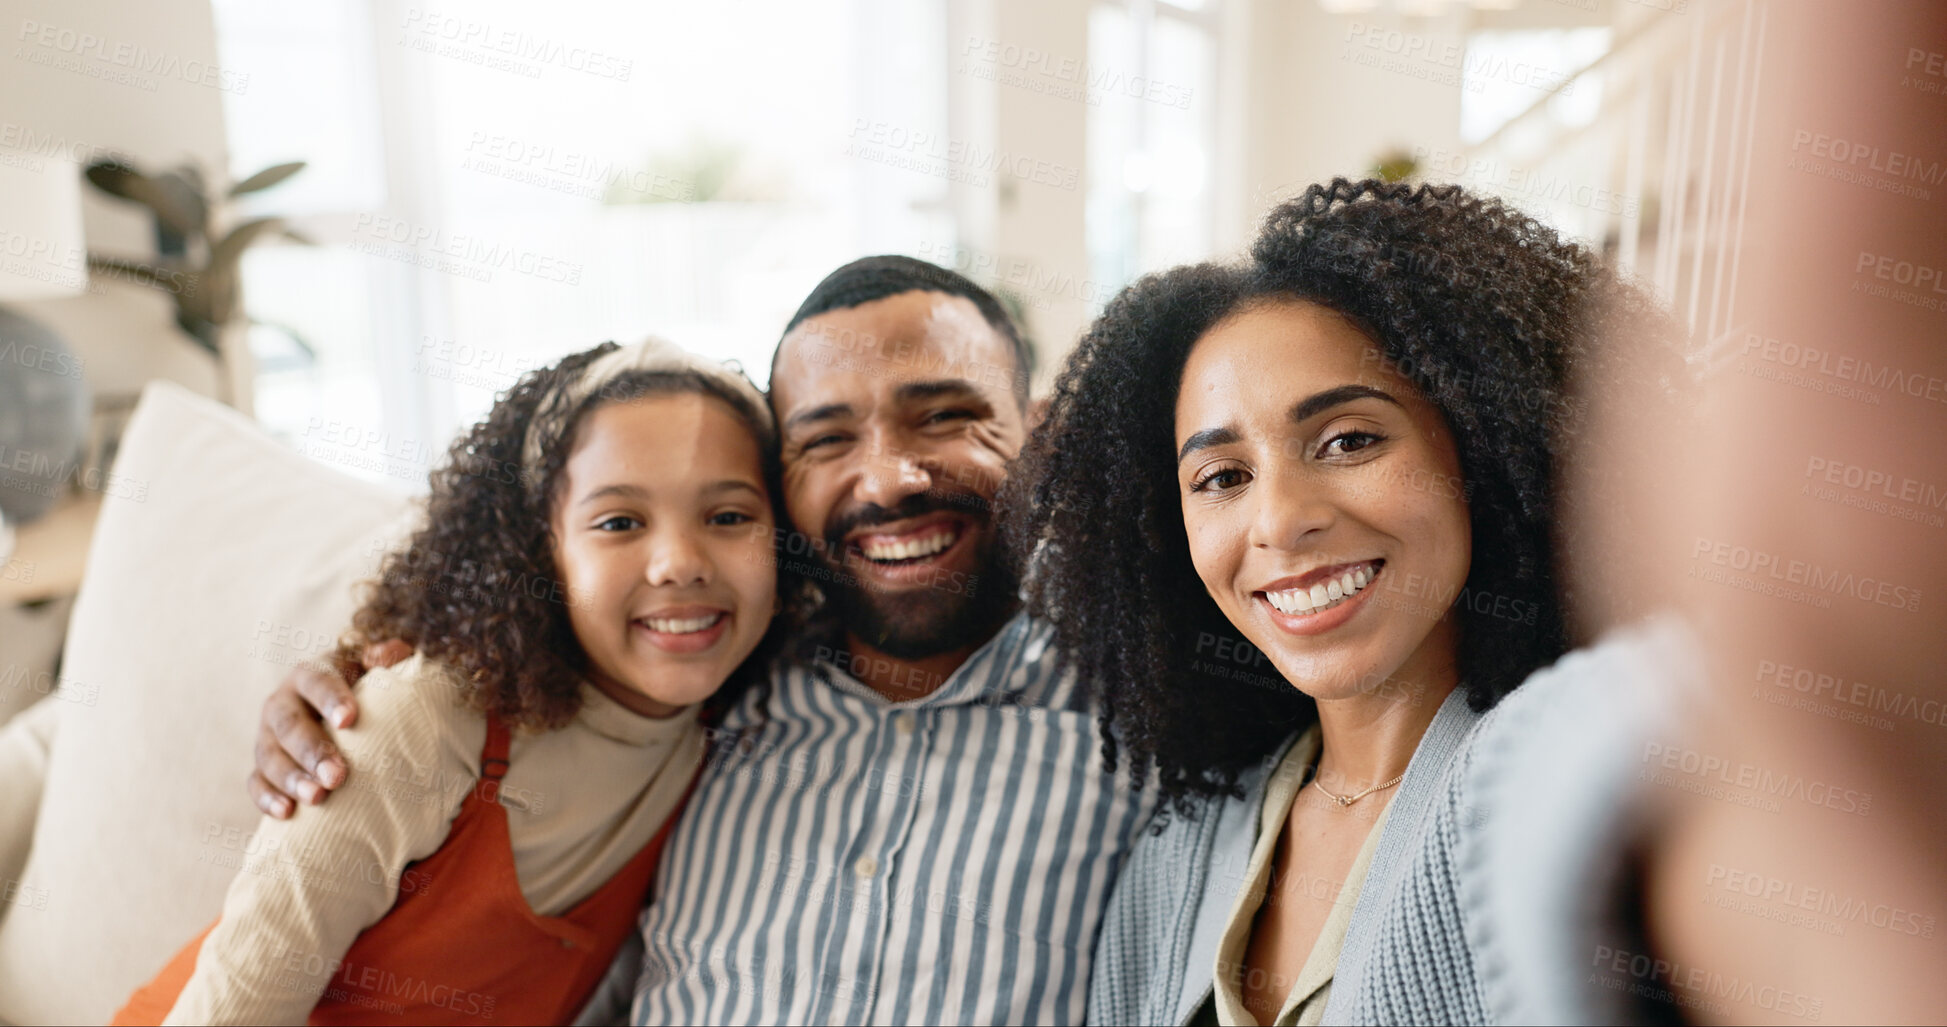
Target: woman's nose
x=1289, y=508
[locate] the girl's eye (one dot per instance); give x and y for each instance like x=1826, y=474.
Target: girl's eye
x=1350, y=442
x=1219, y=480
x=730, y=518
x=618, y=522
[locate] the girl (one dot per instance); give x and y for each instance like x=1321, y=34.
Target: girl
x=1300, y=519
x=597, y=561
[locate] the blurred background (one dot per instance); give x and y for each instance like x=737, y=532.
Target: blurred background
x=355, y=221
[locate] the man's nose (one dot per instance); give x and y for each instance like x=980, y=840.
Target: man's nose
x=891, y=475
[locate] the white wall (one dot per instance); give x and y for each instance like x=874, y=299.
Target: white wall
x=82, y=77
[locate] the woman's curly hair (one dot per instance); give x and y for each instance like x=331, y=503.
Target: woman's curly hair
x=477, y=588
x=1483, y=308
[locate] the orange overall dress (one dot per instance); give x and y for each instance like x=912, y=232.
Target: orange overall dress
x=464, y=947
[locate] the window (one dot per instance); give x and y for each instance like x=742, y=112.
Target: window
x=496, y=185
x=1151, y=137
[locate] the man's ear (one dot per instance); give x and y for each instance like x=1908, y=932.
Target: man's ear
x=1037, y=412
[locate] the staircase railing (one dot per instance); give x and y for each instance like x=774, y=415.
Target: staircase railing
x=1659, y=176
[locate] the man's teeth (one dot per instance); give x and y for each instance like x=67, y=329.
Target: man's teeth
x=681, y=625
x=909, y=550
x=1322, y=595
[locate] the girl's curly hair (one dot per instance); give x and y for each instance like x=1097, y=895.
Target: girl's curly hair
x=1483, y=308
x=477, y=588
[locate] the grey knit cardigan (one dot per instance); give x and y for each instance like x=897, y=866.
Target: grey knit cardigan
x=1499, y=872
x=1405, y=958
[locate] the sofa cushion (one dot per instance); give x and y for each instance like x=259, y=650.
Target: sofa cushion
x=221, y=558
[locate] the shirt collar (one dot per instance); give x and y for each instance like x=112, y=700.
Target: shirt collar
x=997, y=668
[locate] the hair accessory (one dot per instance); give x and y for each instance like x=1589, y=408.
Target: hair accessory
x=651, y=354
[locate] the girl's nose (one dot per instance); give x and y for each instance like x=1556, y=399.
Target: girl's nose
x=676, y=559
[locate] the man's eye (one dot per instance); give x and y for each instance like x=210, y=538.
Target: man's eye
x=1228, y=478
x=943, y=416
x=1351, y=442
x=730, y=518
x=822, y=440
x=617, y=523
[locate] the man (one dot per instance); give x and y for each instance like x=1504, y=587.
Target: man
x=910, y=821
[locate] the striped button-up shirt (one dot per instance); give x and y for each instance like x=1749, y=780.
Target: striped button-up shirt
x=847, y=859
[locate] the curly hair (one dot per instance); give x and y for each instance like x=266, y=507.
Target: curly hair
x=1483, y=308
x=476, y=588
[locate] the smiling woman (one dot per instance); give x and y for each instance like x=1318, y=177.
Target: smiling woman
x=1346, y=453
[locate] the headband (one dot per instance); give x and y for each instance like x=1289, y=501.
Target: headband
x=651, y=354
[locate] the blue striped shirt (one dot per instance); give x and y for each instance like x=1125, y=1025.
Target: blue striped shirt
x=847, y=859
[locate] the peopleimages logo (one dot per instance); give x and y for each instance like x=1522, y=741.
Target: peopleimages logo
x=1098, y=81
x=1709, y=769
x=1811, y=576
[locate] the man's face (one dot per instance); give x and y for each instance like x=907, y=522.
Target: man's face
x=899, y=418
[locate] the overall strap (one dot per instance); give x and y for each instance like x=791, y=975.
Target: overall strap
x=493, y=757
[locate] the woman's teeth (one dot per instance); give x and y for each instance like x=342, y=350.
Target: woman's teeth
x=909, y=550
x=682, y=625
x=1324, y=595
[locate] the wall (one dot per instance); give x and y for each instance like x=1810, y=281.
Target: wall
x=83, y=77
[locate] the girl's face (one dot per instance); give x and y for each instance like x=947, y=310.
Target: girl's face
x=1322, y=498
x=662, y=533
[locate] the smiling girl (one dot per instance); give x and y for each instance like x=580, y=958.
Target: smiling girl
x=597, y=561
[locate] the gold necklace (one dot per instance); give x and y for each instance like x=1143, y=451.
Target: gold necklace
x=1347, y=800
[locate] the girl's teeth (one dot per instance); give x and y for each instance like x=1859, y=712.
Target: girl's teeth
x=682, y=626
x=1320, y=596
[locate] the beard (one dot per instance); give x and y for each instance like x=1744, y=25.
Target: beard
x=958, y=611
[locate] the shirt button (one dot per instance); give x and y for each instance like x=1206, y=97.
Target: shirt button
x=866, y=866
x=903, y=723
x=567, y=943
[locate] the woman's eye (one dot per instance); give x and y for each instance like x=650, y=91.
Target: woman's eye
x=1350, y=442
x=1228, y=478
x=730, y=518
x=617, y=523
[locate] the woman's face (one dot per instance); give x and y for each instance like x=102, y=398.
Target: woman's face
x=1323, y=502
x=663, y=537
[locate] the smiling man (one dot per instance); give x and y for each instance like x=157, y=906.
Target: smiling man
x=910, y=821
x=900, y=410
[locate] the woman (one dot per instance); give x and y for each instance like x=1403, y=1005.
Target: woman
x=1299, y=518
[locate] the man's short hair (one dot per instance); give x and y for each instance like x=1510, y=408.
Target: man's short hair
x=875, y=278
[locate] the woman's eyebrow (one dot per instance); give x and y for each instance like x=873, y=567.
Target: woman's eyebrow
x=1330, y=398
x=1205, y=439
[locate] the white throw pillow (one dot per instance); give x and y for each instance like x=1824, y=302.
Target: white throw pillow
x=221, y=558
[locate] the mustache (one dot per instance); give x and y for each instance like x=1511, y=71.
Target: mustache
x=872, y=515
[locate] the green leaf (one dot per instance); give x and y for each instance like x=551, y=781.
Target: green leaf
x=184, y=186
x=114, y=178
x=266, y=178
x=225, y=255
x=120, y=179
